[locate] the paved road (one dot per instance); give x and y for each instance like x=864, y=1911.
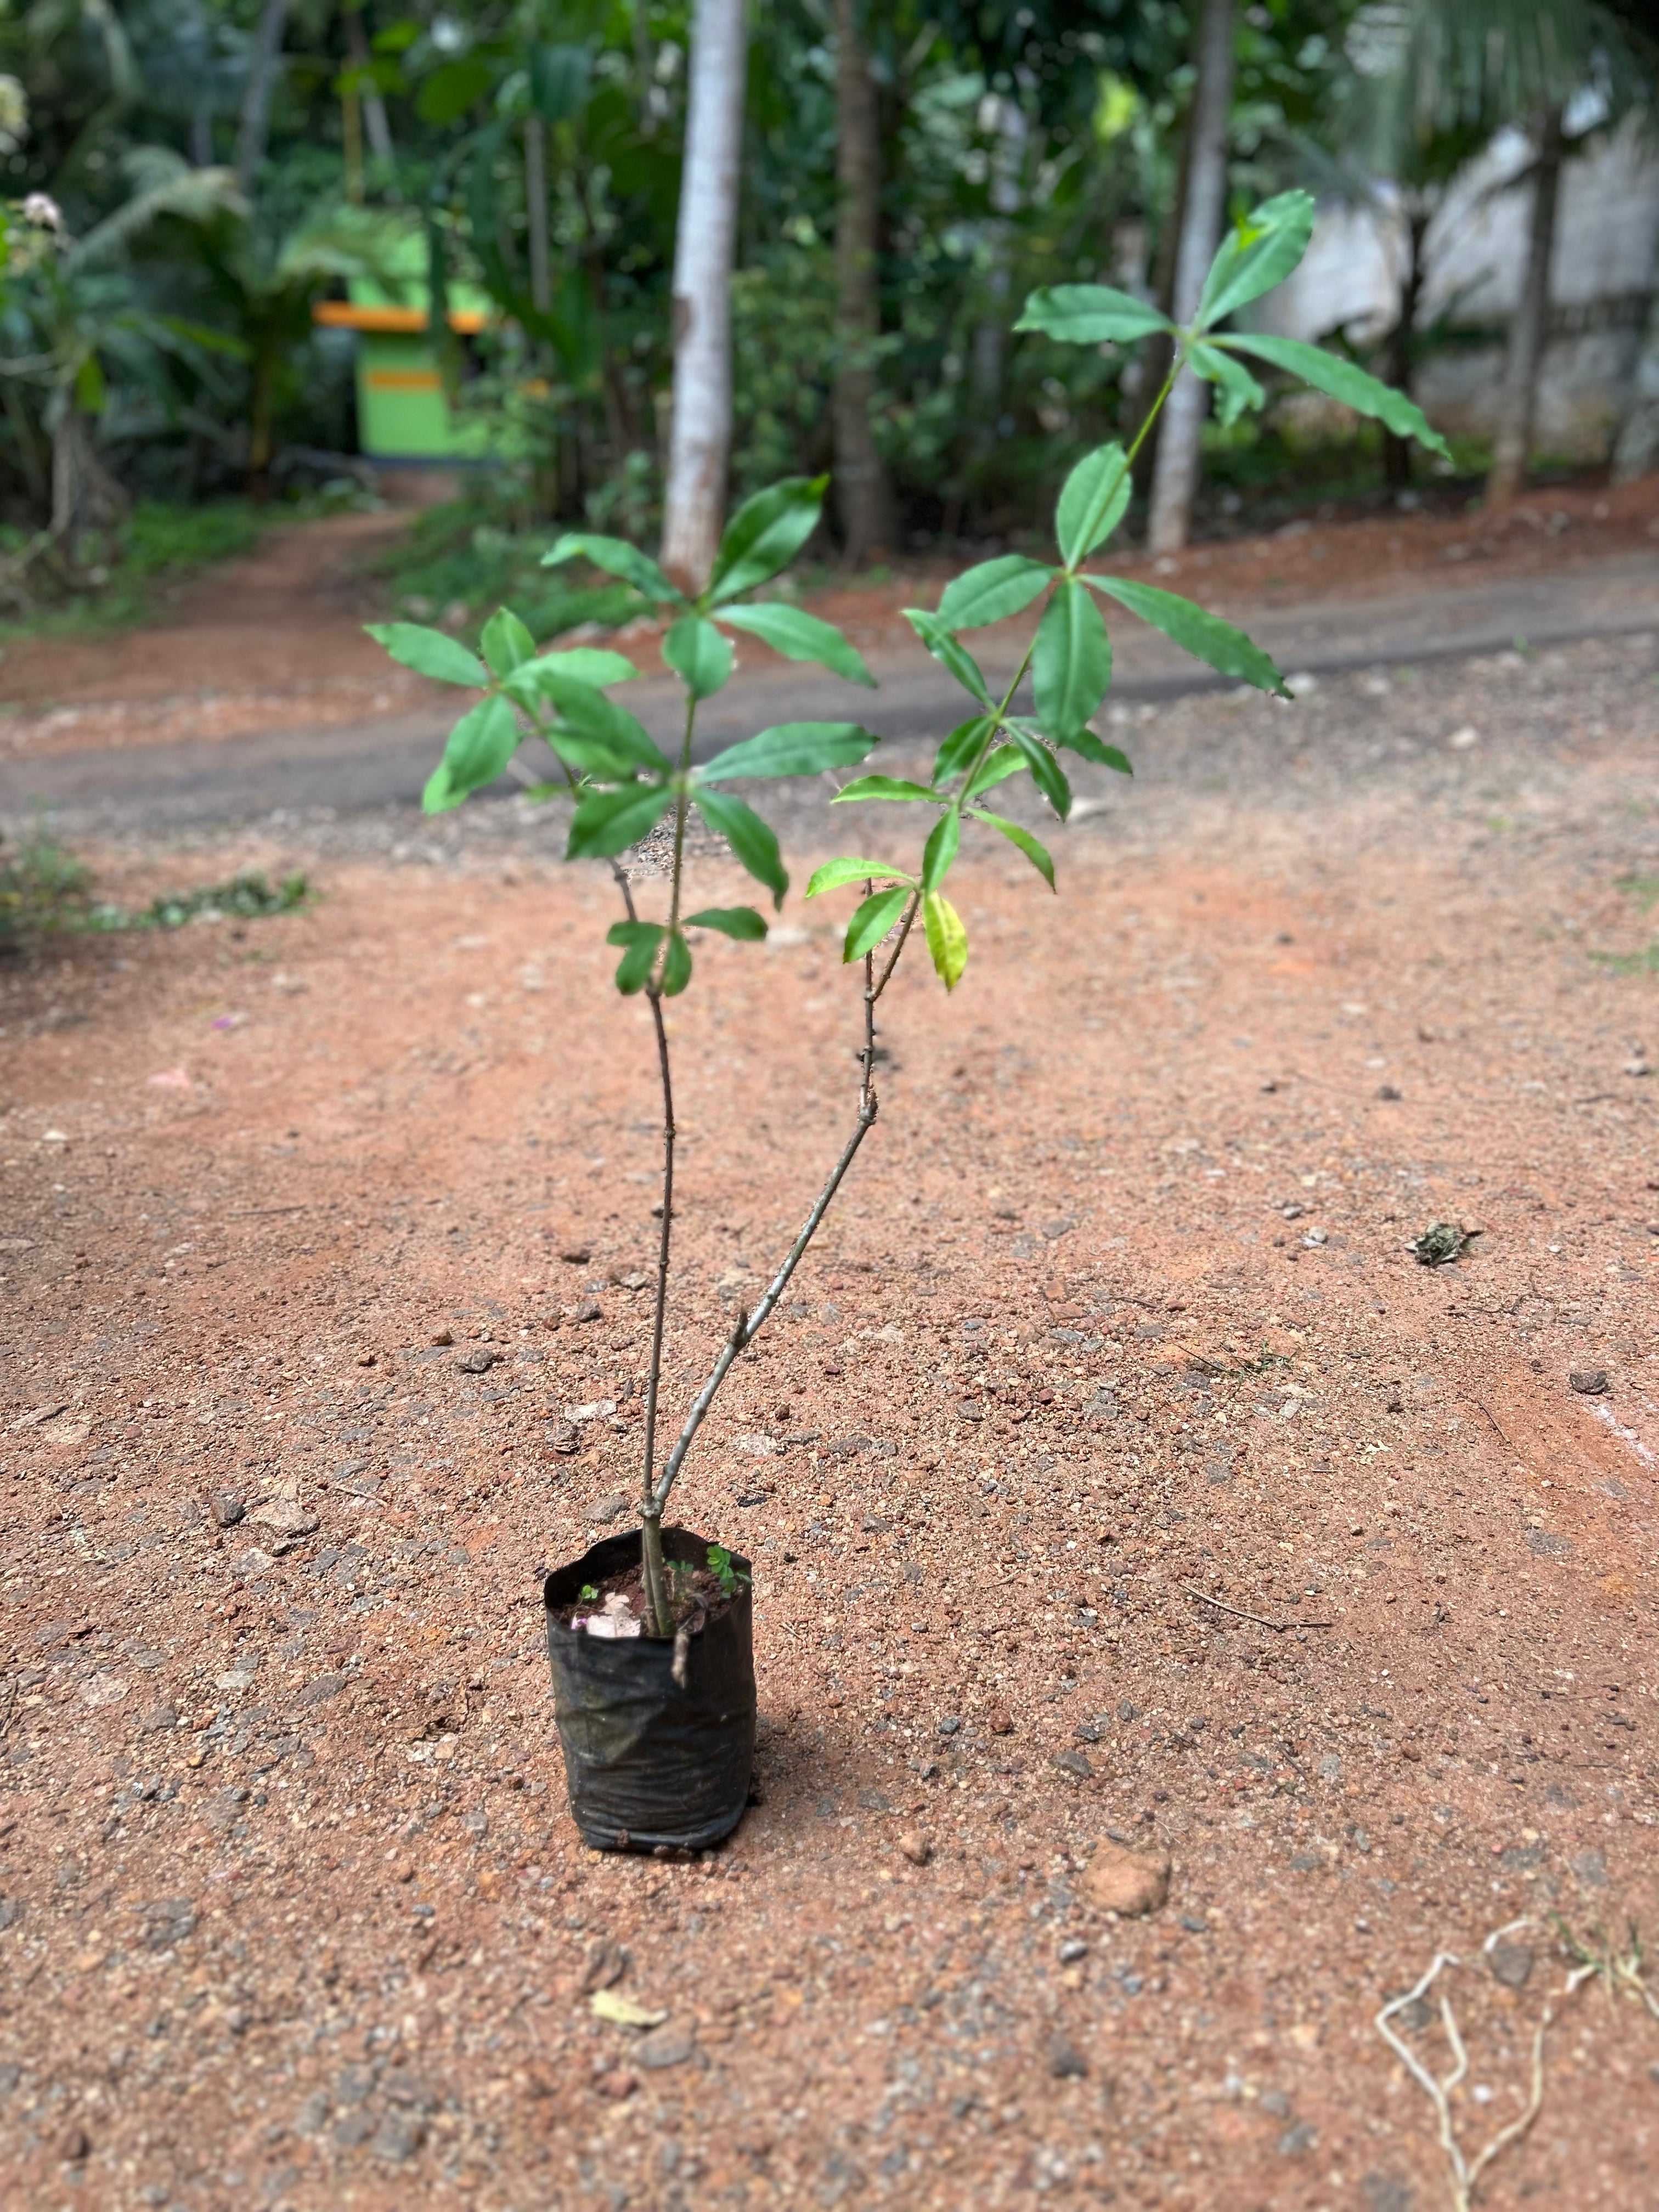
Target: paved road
x=373, y=764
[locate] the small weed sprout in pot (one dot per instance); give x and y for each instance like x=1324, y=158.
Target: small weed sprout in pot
x=650, y=1633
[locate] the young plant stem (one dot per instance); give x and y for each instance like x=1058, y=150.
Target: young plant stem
x=748, y=1326
x=654, y=1572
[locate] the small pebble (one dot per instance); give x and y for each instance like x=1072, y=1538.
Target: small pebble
x=444, y=1336
x=617, y=2084
x=1065, y=2062
x=1511, y=1963
x=576, y=1255
x=1072, y=1950
x=1589, y=1382
x=915, y=1846
x=228, y=1508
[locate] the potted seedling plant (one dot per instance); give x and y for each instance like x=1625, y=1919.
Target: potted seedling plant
x=649, y=1632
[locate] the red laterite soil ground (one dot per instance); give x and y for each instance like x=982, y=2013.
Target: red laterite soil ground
x=1116, y=1317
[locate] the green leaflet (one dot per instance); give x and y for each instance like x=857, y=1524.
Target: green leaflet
x=698, y=655
x=642, y=939
x=676, y=966
x=592, y=716
x=480, y=746
x=764, y=535
x=1328, y=372
x=945, y=650
x=992, y=592
x=791, y=749
x=997, y=767
x=1255, y=255
x=738, y=921
x=1205, y=635
x=1093, y=501
x=872, y=921
x=1089, y=745
x=506, y=642
x=1036, y=854
x=1046, y=771
x=940, y=849
x=1236, y=388
x=749, y=838
x=800, y=636
x=609, y=821
x=584, y=664
x=617, y=558
x=1071, y=664
x=882, y=786
x=1090, y=315
x=947, y=940
x=429, y=653
x=961, y=749
x=591, y=755
x=834, y=874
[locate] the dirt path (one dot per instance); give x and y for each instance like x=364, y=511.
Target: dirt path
x=1118, y=1308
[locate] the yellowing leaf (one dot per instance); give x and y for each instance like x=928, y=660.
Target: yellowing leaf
x=947, y=940
x=609, y=2004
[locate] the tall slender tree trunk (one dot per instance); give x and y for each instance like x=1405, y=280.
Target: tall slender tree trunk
x=263, y=62
x=376, y=127
x=862, y=494
x=1174, y=481
x=1399, y=359
x=700, y=439
x=1527, y=332
x=535, y=203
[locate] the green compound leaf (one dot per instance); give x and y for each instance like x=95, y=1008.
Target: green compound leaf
x=1203, y=634
x=1036, y=854
x=961, y=749
x=800, y=636
x=1090, y=315
x=676, y=966
x=1330, y=373
x=992, y=592
x=764, y=535
x=749, y=838
x=947, y=940
x=698, y=655
x=940, y=849
x=1257, y=254
x=792, y=749
x=884, y=786
x=617, y=558
x=943, y=646
x=1236, y=388
x=506, y=642
x=739, y=921
x=1093, y=501
x=480, y=746
x=835, y=874
x=1071, y=663
x=429, y=653
x=642, y=939
x=872, y=921
x=606, y=822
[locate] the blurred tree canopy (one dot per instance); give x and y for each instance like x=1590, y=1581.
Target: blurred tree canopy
x=239, y=159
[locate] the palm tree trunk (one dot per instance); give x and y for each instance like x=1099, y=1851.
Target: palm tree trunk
x=376, y=127
x=1175, y=481
x=1527, y=332
x=861, y=489
x=262, y=64
x=700, y=439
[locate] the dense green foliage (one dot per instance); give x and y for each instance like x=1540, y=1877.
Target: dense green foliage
x=174, y=211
